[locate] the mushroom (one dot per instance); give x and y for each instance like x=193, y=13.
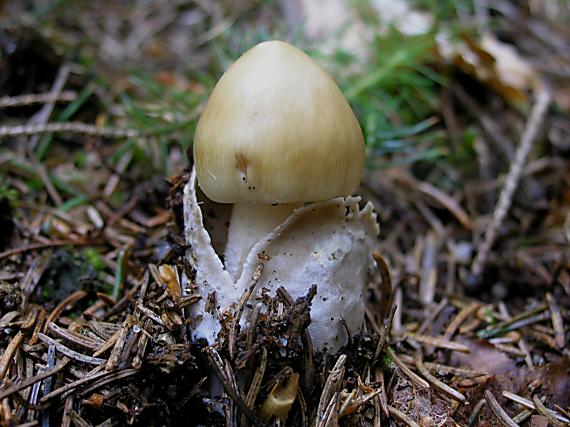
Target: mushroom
x=276, y=133
x=278, y=140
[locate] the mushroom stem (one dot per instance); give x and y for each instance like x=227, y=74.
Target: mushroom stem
x=249, y=223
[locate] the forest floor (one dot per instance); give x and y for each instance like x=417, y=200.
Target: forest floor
x=465, y=109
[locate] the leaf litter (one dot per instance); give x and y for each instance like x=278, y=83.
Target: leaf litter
x=93, y=321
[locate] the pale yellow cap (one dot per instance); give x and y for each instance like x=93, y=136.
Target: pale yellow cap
x=277, y=129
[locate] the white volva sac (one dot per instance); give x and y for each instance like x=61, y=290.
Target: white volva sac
x=326, y=243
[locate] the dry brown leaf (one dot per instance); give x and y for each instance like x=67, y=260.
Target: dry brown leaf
x=169, y=275
x=280, y=399
x=494, y=63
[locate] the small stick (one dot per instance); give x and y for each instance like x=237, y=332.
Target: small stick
x=544, y=411
x=530, y=405
x=333, y=382
x=78, y=339
x=348, y=401
x=428, y=321
x=450, y=391
x=416, y=379
x=399, y=415
x=43, y=175
x=460, y=318
x=42, y=116
x=36, y=98
x=108, y=344
x=445, y=369
x=330, y=416
x=67, y=407
x=73, y=385
x=113, y=376
x=9, y=352
x=522, y=416
x=241, y=307
x=215, y=361
x=35, y=246
x=72, y=354
x=255, y=384
x=149, y=313
x=513, y=178
x=38, y=326
x=29, y=381
x=475, y=413
x=113, y=359
x=557, y=321
x=382, y=398
x=386, y=292
x=498, y=410
x=70, y=300
x=72, y=127
x=440, y=342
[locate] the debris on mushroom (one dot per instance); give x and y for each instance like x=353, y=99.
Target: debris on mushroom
x=278, y=140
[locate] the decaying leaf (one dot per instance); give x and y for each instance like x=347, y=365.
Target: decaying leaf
x=280, y=399
x=169, y=275
x=494, y=63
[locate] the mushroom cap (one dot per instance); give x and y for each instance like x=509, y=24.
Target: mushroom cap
x=277, y=129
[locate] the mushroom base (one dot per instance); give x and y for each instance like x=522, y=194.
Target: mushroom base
x=328, y=244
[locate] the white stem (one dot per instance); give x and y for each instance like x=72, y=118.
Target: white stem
x=249, y=223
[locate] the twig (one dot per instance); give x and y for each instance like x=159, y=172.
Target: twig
x=29, y=381
x=108, y=344
x=332, y=384
x=76, y=339
x=386, y=292
x=440, y=342
x=69, y=352
x=113, y=359
x=255, y=384
x=113, y=376
x=73, y=127
x=473, y=417
x=557, y=321
x=77, y=419
x=531, y=405
x=416, y=379
x=73, y=385
x=545, y=411
x=8, y=353
x=513, y=178
x=217, y=365
x=36, y=98
x=42, y=116
x=450, y=391
x=433, y=313
x=68, y=301
x=330, y=416
x=141, y=345
x=498, y=410
x=36, y=246
x=149, y=313
x=460, y=318
x=445, y=369
x=241, y=307
x=43, y=175
x=67, y=407
x=399, y=415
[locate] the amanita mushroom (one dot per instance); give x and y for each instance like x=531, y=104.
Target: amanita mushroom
x=276, y=132
x=276, y=135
